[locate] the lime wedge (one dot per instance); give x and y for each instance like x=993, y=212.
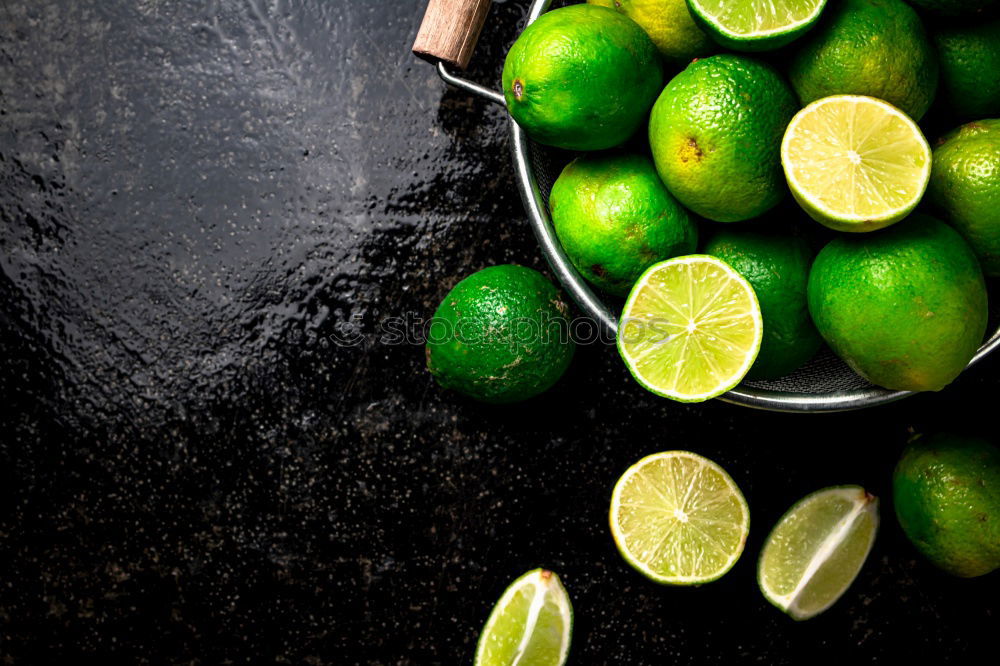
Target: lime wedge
x=691, y=328
x=678, y=518
x=755, y=25
x=855, y=163
x=531, y=625
x=816, y=550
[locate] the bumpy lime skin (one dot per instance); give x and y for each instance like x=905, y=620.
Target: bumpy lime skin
x=500, y=336
x=777, y=267
x=877, y=48
x=905, y=307
x=581, y=77
x=716, y=131
x=757, y=44
x=955, y=7
x=615, y=218
x=669, y=24
x=965, y=186
x=970, y=68
x=946, y=490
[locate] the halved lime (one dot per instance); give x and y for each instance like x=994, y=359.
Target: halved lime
x=531, y=625
x=755, y=25
x=678, y=518
x=855, y=163
x=691, y=328
x=816, y=550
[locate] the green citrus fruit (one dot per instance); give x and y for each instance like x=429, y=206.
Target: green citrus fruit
x=777, y=267
x=955, y=7
x=946, y=490
x=970, y=62
x=614, y=218
x=716, y=134
x=501, y=335
x=965, y=185
x=868, y=47
x=668, y=24
x=905, y=307
x=755, y=25
x=581, y=77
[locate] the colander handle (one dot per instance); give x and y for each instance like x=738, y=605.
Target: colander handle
x=450, y=30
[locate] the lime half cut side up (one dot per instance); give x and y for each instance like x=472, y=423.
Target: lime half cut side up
x=691, y=328
x=756, y=25
x=855, y=163
x=817, y=549
x=531, y=625
x=679, y=518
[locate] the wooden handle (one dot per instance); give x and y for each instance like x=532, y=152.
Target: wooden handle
x=450, y=30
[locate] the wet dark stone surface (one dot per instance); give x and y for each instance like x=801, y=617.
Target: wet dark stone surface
x=210, y=450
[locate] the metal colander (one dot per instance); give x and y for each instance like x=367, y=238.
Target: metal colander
x=824, y=384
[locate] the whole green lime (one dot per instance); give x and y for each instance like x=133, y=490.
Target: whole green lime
x=716, y=135
x=501, y=335
x=868, y=47
x=581, y=77
x=965, y=186
x=970, y=63
x=946, y=489
x=669, y=24
x=955, y=7
x=777, y=267
x=614, y=218
x=905, y=307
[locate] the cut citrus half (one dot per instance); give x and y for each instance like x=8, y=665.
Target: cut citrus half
x=817, y=549
x=855, y=163
x=691, y=328
x=531, y=624
x=678, y=518
x=755, y=25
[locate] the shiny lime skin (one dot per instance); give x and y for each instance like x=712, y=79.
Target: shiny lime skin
x=905, y=306
x=955, y=7
x=669, y=24
x=877, y=48
x=501, y=335
x=615, y=218
x=581, y=77
x=965, y=186
x=946, y=489
x=777, y=267
x=716, y=136
x=970, y=68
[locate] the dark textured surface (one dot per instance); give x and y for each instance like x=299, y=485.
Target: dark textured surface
x=198, y=200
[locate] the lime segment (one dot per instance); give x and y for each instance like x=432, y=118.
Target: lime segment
x=691, y=328
x=752, y=25
x=817, y=549
x=855, y=163
x=678, y=518
x=531, y=625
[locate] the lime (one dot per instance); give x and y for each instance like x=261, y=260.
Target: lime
x=531, y=625
x=691, y=328
x=904, y=307
x=946, y=489
x=678, y=518
x=614, y=218
x=816, y=550
x=966, y=188
x=668, y=24
x=955, y=7
x=855, y=163
x=715, y=132
x=970, y=60
x=777, y=267
x=868, y=47
x=581, y=77
x=501, y=335
x=755, y=25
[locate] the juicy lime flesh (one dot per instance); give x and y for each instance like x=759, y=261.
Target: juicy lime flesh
x=856, y=159
x=691, y=328
x=817, y=549
x=530, y=625
x=679, y=518
x=756, y=18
